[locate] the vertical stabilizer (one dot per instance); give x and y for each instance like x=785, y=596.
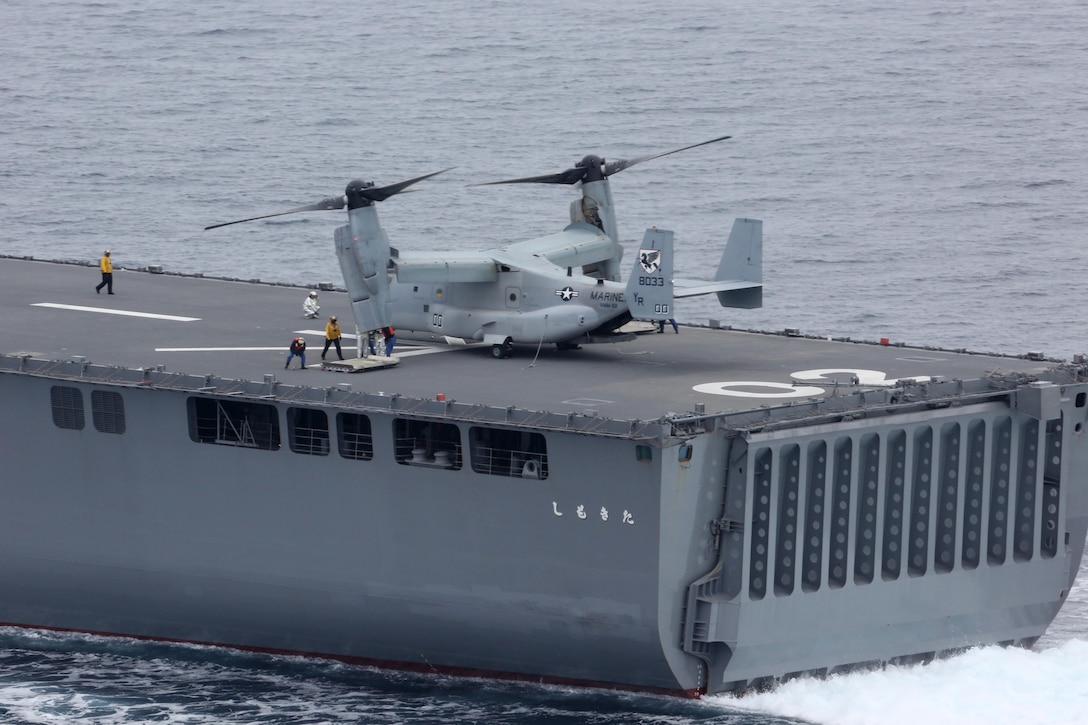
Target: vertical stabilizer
x=649, y=288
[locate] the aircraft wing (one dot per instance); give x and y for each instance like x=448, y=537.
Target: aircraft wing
x=695, y=287
x=578, y=245
x=446, y=267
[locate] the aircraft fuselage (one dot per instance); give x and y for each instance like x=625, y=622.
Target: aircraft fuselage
x=526, y=306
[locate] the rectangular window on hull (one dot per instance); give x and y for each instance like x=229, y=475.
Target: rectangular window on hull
x=434, y=444
x=308, y=431
x=107, y=411
x=501, y=452
x=234, y=423
x=353, y=436
x=67, y=407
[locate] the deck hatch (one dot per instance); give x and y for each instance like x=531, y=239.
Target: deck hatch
x=67, y=405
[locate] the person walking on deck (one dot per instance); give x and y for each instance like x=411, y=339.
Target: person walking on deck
x=106, y=266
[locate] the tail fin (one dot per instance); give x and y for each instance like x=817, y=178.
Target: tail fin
x=742, y=261
x=649, y=288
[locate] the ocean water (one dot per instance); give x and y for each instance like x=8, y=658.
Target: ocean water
x=919, y=167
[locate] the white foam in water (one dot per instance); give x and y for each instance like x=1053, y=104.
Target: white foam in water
x=985, y=686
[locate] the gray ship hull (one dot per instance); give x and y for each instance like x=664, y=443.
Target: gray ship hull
x=317, y=555
x=614, y=543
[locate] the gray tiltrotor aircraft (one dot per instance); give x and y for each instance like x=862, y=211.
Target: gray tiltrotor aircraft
x=563, y=288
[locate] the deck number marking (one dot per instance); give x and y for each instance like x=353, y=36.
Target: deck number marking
x=872, y=378
x=875, y=378
x=787, y=390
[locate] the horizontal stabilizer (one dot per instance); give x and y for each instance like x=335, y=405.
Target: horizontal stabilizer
x=739, y=280
x=696, y=287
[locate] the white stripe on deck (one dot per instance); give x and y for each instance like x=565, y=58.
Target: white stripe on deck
x=220, y=349
x=413, y=348
x=344, y=335
x=106, y=311
x=280, y=348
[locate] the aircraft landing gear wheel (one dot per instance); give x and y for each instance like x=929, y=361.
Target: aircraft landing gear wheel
x=500, y=351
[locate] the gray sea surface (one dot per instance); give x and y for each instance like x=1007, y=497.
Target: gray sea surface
x=919, y=167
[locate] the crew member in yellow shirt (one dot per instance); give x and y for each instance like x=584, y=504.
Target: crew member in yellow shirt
x=332, y=336
x=106, y=266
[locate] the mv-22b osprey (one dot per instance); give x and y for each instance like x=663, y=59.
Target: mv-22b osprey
x=564, y=288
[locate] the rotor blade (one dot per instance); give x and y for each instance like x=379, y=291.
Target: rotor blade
x=578, y=173
x=615, y=166
x=570, y=176
x=381, y=193
x=330, y=204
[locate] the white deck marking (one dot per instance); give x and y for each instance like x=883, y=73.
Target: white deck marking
x=396, y=353
x=105, y=311
x=875, y=378
x=321, y=333
x=408, y=348
x=401, y=352
x=219, y=349
x=787, y=390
